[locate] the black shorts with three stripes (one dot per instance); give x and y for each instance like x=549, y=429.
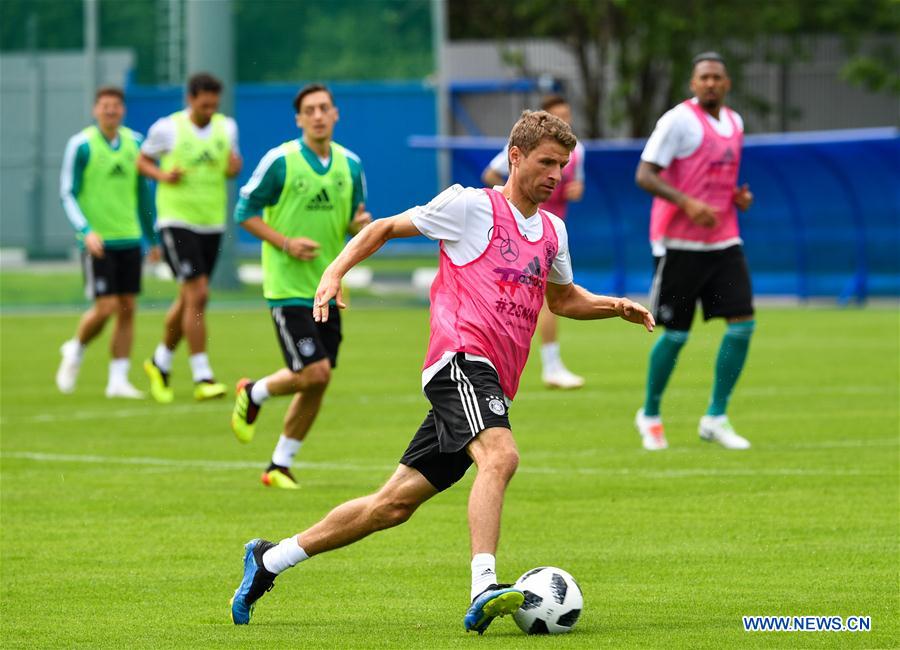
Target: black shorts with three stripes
x=466, y=399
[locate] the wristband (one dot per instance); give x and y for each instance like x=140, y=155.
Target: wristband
x=284, y=245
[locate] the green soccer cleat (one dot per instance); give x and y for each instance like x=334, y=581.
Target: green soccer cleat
x=279, y=477
x=159, y=383
x=209, y=389
x=245, y=412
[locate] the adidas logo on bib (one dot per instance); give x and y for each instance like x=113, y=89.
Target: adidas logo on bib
x=320, y=201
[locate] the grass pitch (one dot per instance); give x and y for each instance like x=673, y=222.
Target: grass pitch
x=123, y=522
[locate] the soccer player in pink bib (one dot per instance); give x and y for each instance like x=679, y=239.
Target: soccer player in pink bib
x=499, y=256
x=690, y=164
x=554, y=372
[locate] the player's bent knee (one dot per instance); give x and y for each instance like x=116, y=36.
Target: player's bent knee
x=389, y=512
x=315, y=376
x=105, y=307
x=503, y=462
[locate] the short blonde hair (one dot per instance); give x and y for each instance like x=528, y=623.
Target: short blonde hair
x=536, y=126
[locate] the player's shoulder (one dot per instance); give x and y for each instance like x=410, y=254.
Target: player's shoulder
x=164, y=123
x=273, y=156
x=351, y=155
x=558, y=224
x=737, y=117
x=80, y=138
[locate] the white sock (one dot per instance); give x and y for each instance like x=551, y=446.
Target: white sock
x=285, y=450
x=200, y=367
x=260, y=391
x=550, y=356
x=284, y=555
x=74, y=349
x=118, y=371
x=162, y=357
x=484, y=572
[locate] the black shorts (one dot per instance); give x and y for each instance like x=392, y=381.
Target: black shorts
x=117, y=273
x=719, y=279
x=466, y=399
x=304, y=341
x=190, y=254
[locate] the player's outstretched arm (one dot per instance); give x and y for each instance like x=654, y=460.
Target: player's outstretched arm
x=367, y=242
x=571, y=301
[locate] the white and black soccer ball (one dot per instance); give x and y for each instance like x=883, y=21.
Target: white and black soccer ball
x=553, y=601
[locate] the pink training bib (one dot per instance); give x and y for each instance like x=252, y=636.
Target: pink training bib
x=489, y=307
x=709, y=174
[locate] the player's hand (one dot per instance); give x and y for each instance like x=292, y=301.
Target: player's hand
x=361, y=219
x=701, y=213
x=173, y=176
x=301, y=248
x=329, y=287
x=573, y=191
x=235, y=162
x=94, y=244
x=154, y=255
x=743, y=197
x=635, y=313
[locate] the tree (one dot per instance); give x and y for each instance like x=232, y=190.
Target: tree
x=633, y=56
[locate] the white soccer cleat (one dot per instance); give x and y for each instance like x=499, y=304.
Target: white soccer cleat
x=123, y=389
x=653, y=436
x=67, y=374
x=562, y=378
x=717, y=428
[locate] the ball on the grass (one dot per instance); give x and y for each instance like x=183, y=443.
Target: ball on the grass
x=553, y=601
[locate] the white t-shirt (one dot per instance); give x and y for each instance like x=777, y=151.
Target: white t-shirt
x=461, y=218
x=500, y=162
x=161, y=137
x=678, y=134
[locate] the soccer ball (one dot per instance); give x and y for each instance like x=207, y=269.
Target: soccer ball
x=553, y=601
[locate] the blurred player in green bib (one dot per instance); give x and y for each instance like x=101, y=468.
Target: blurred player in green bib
x=302, y=201
x=197, y=152
x=111, y=207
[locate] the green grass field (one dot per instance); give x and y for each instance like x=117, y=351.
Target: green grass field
x=123, y=522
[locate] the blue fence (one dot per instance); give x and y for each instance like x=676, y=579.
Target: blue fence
x=826, y=219
x=376, y=121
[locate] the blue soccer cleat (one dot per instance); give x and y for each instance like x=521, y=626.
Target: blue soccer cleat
x=496, y=600
x=256, y=582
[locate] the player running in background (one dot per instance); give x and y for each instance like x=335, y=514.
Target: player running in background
x=197, y=150
x=498, y=255
x=690, y=164
x=571, y=188
x=303, y=199
x=111, y=207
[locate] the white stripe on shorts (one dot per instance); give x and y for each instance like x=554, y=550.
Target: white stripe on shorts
x=169, y=243
x=468, y=397
x=656, y=285
x=296, y=361
x=89, y=289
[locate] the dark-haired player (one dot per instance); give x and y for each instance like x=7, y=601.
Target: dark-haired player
x=303, y=199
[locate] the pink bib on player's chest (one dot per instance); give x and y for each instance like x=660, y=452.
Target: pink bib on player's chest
x=489, y=307
x=709, y=174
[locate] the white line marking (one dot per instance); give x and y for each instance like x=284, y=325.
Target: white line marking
x=349, y=467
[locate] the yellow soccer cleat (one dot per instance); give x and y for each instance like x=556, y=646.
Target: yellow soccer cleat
x=244, y=413
x=280, y=477
x=159, y=383
x=209, y=389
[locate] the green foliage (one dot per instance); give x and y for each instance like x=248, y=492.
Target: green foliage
x=129, y=532
x=650, y=43
x=275, y=40
x=336, y=40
